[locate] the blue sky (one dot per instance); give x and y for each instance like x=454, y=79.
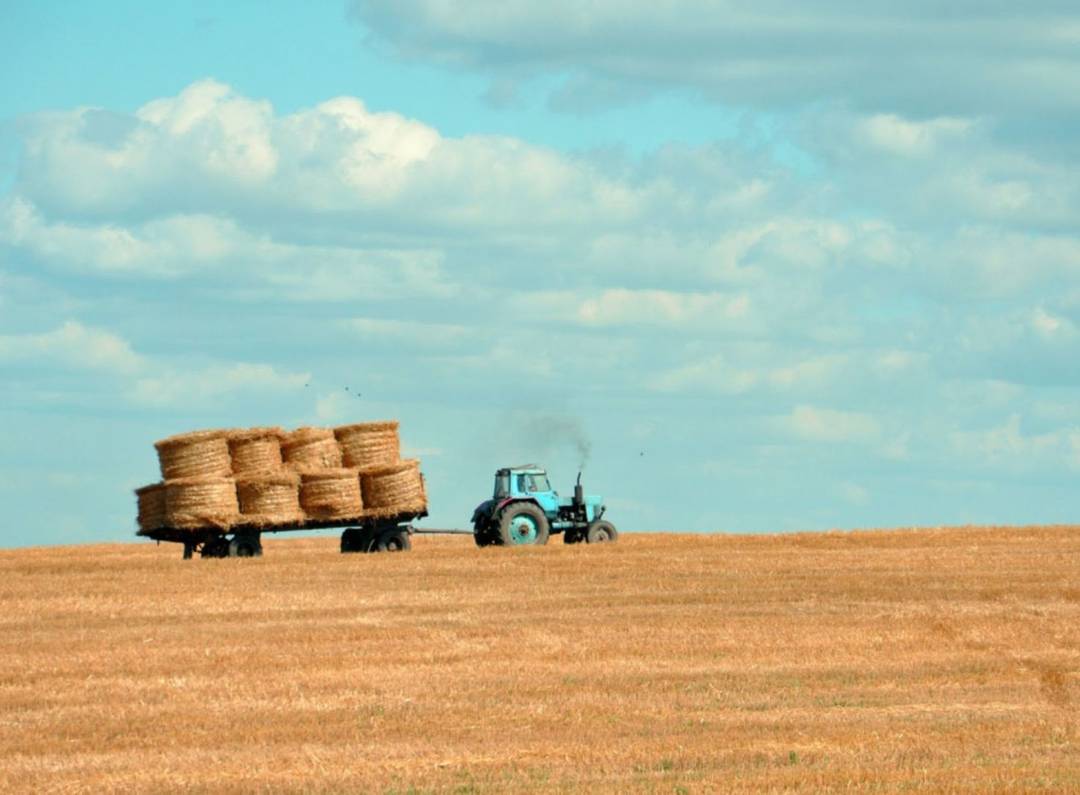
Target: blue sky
x=808, y=266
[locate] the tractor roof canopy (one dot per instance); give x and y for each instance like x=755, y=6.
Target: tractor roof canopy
x=524, y=469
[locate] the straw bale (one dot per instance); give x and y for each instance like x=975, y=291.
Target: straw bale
x=255, y=450
x=311, y=448
x=397, y=487
x=151, y=500
x=269, y=498
x=194, y=455
x=201, y=502
x=369, y=444
x=331, y=493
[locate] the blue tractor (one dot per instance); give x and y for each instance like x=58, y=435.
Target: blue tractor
x=525, y=510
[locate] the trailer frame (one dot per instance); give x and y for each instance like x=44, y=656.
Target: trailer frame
x=374, y=532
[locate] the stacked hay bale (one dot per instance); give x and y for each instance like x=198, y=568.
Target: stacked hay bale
x=368, y=444
x=388, y=484
x=266, y=478
x=269, y=498
x=194, y=455
x=311, y=449
x=394, y=488
x=331, y=493
x=151, y=500
x=192, y=503
x=198, y=485
x=254, y=450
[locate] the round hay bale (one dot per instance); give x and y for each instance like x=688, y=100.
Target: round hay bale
x=269, y=498
x=151, y=501
x=369, y=444
x=255, y=450
x=331, y=494
x=311, y=448
x=201, y=502
x=396, y=487
x=199, y=454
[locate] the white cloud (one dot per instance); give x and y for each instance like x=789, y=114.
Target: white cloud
x=830, y=425
x=1052, y=327
x=161, y=247
x=1007, y=446
x=174, y=387
x=853, y=493
x=724, y=375
x=212, y=149
x=73, y=345
x=412, y=333
x=899, y=136
x=661, y=307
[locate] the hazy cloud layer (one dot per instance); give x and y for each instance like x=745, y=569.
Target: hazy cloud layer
x=919, y=59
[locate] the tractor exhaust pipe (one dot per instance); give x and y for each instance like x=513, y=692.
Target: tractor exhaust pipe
x=579, y=493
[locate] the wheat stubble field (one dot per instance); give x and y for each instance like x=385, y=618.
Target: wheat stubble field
x=882, y=661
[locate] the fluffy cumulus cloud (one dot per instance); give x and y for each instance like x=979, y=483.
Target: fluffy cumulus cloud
x=904, y=306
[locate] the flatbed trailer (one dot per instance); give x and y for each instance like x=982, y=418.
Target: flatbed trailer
x=386, y=532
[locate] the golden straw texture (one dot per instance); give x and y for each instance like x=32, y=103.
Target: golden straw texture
x=369, y=444
x=331, y=494
x=311, y=448
x=269, y=499
x=917, y=661
x=255, y=450
x=193, y=455
x=151, y=501
x=201, y=502
x=398, y=487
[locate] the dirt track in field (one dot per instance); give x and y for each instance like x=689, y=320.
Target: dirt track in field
x=926, y=659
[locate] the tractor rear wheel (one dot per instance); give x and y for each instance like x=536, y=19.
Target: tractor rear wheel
x=601, y=532
x=483, y=536
x=523, y=523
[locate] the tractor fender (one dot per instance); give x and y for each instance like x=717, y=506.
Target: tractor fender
x=483, y=511
x=489, y=509
x=508, y=500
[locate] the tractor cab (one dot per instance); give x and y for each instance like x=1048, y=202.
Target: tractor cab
x=527, y=483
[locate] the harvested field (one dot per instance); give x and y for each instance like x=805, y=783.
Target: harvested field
x=884, y=661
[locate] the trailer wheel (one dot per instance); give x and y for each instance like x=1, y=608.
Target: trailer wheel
x=245, y=547
x=523, y=523
x=601, y=532
x=215, y=547
x=393, y=541
x=353, y=539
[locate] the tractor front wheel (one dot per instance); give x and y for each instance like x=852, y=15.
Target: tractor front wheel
x=523, y=523
x=601, y=532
